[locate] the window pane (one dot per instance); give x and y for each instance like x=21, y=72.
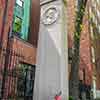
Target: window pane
x=19, y=2
x=17, y=25
x=18, y=11
x=25, y=82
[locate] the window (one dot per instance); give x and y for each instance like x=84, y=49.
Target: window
x=17, y=20
x=93, y=54
x=21, y=19
x=17, y=26
x=25, y=83
x=19, y=11
x=21, y=85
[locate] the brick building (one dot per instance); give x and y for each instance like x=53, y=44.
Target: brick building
x=19, y=26
x=94, y=13
x=86, y=68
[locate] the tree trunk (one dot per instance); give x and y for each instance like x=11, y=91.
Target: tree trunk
x=74, y=78
x=73, y=83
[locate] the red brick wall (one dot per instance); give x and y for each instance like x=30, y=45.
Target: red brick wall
x=2, y=6
x=70, y=24
x=24, y=49
x=8, y=22
x=97, y=54
x=71, y=21
x=85, y=50
x=85, y=42
x=34, y=23
x=18, y=46
x=27, y=52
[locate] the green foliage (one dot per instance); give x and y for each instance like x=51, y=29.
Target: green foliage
x=79, y=19
x=73, y=91
x=65, y=2
x=70, y=98
x=17, y=25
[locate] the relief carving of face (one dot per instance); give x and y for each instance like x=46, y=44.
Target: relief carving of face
x=50, y=15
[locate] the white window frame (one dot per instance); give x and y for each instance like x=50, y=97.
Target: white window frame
x=19, y=2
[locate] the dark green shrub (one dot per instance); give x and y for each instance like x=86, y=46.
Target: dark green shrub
x=70, y=98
